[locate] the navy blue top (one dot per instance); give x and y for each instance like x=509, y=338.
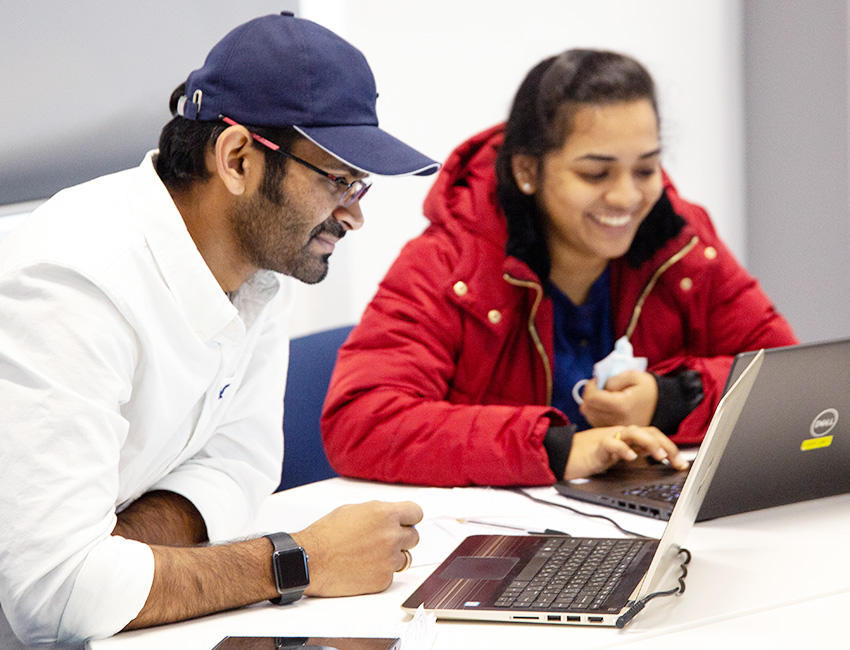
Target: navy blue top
x=584, y=334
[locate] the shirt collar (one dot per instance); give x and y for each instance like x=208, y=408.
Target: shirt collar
x=184, y=270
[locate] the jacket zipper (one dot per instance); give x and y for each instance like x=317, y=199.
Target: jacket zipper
x=636, y=312
x=654, y=280
x=532, y=328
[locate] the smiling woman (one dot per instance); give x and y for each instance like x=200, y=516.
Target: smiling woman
x=595, y=190
x=551, y=237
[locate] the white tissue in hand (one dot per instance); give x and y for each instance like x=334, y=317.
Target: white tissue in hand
x=621, y=359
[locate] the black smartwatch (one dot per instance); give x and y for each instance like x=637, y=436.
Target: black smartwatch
x=289, y=565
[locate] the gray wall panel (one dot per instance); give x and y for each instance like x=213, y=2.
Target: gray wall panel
x=75, y=104
x=797, y=125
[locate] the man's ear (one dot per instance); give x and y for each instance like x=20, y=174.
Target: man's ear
x=525, y=171
x=235, y=160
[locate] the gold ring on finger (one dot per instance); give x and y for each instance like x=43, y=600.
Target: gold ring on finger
x=408, y=560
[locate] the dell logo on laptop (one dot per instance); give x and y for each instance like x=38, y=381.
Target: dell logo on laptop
x=824, y=422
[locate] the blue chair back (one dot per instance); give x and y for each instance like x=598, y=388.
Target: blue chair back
x=311, y=362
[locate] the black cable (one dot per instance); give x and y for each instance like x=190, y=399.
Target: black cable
x=579, y=512
x=635, y=609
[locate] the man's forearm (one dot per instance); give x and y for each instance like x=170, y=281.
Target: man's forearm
x=162, y=517
x=354, y=549
x=191, y=582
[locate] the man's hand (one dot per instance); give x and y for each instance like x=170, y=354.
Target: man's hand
x=356, y=548
x=595, y=450
x=628, y=398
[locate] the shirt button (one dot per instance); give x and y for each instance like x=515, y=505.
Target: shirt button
x=686, y=284
x=460, y=288
x=710, y=252
x=494, y=316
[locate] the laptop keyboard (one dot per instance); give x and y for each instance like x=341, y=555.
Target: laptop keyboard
x=569, y=573
x=667, y=492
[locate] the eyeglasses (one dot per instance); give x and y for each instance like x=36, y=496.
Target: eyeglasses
x=350, y=193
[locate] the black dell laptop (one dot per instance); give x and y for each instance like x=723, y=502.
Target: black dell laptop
x=791, y=443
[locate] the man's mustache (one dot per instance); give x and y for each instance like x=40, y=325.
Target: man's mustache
x=330, y=226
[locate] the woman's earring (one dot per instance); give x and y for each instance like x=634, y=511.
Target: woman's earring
x=526, y=188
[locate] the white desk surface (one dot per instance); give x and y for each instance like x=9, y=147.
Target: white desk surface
x=772, y=578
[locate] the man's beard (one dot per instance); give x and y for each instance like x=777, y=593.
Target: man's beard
x=306, y=266
x=269, y=233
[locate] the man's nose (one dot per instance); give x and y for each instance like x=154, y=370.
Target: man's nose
x=351, y=217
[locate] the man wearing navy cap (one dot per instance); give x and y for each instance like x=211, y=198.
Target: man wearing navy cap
x=143, y=352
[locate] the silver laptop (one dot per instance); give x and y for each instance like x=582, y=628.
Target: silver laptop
x=790, y=443
x=560, y=579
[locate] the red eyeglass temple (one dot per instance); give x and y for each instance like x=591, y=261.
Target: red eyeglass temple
x=268, y=143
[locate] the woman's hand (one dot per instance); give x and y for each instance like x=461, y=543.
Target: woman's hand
x=595, y=450
x=628, y=398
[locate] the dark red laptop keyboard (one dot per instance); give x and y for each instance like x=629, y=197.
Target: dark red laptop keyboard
x=570, y=573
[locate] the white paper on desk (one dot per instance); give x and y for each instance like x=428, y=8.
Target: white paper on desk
x=436, y=541
x=439, y=531
x=443, y=528
x=462, y=512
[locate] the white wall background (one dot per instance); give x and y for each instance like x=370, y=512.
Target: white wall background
x=447, y=69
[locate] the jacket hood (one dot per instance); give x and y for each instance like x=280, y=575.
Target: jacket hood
x=464, y=194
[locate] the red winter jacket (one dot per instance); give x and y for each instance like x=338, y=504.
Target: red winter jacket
x=447, y=379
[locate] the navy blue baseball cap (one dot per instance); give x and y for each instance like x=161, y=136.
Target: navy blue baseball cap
x=280, y=70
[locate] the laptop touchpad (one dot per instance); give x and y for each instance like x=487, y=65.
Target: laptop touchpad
x=479, y=568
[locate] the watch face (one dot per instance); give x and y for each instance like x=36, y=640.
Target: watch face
x=290, y=568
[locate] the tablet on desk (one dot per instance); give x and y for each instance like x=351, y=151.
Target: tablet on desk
x=303, y=643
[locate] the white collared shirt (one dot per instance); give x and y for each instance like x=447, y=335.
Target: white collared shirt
x=124, y=368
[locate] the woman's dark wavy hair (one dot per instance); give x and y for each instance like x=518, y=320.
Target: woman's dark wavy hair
x=540, y=121
x=183, y=145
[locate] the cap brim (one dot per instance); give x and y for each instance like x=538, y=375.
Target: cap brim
x=370, y=149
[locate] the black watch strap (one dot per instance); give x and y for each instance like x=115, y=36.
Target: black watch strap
x=289, y=565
